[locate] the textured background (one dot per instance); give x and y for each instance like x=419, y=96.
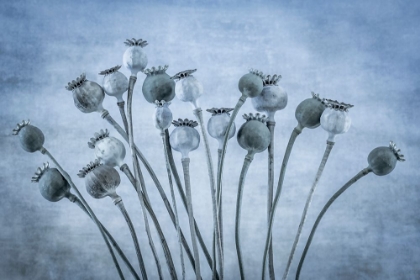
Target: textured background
x=361, y=52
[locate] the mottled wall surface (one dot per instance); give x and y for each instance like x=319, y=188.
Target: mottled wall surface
x=361, y=52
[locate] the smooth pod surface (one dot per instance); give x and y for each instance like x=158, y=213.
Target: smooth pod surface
x=88, y=97
x=254, y=136
x=158, y=87
x=272, y=98
x=217, y=126
x=250, y=85
x=335, y=122
x=184, y=139
x=135, y=59
x=52, y=185
x=189, y=89
x=308, y=113
x=102, y=181
x=115, y=84
x=382, y=160
x=110, y=151
x=162, y=117
x=31, y=138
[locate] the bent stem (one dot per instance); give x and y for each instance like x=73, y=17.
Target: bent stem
x=95, y=219
x=186, y=169
x=247, y=162
x=178, y=230
x=137, y=172
x=296, y=131
x=271, y=125
x=120, y=204
x=359, y=175
x=216, y=226
x=122, y=112
x=105, y=115
x=114, y=243
x=307, y=204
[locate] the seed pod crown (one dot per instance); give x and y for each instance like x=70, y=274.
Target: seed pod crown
x=257, y=117
x=338, y=106
x=110, y=70
x=185, y=122
x=183, y=74
x=85, y=170
x=397, y=152
x=98, y=136
x=133, y=42
x=271, y=81
x=156, y=71
x=76, y=83
x=316, y=96
x=219, y=111
x=40, y=170
x=258, y=73
x=162, y=103
x=20, y=126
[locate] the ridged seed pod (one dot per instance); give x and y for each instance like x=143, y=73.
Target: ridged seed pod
x=114, y=83
x=162, y=116
x=382, y=160
x=335, y=119
x=109, y=150
x=187, y=87
x=158, y=85
x=308, y=112
x=87, y=95
x=134, y=58
x=52, y=185
x=217, y=124
x=251, y=84
x=184, y=138
x=31, y=137
x=253, y=135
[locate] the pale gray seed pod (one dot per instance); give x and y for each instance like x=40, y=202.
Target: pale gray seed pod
x=114, y=82
x=109, y=150
x=335, y=119
x=187, y=87
x=134, y=58
x=162, y=116
x=184, y=138
x=218, y=122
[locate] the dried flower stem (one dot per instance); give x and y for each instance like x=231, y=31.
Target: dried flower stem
x=296, y=131
x=270, y=190
x=247, y=162
x=307, y=204
x=359, y=175
x=120, y=205
x=219, y=193
x=114, y=243
x=178, y=229
x=123, y=116
x=216, y=225
x=186, y=169
x=98, y=224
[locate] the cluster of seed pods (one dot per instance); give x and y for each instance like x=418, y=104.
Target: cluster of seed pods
x=255, y=136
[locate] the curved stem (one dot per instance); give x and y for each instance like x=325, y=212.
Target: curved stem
x=307, y=204
x=245, y=167
x=178, y=230
x=120, y=205
x=105, y=115
x=122, y=112
x=137, y=173
x=271, y=125
x=296, y=131
x=359, y=175
x=114, y=243
x=216, y=229
x=186, y=169
x=95, y=219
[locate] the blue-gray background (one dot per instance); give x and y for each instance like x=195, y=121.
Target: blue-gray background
x=361, y=52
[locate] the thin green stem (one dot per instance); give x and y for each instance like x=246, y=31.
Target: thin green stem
x=359, y=175
x=178, y=229
x=95, y=219
x=271, y=125
x=186, y=169
x=122, y=112
x=137, y=172
x=245, y=167
x=114, y=243
x=296, y=131
x=307, y=204
x=119, y=203
x=199, y=115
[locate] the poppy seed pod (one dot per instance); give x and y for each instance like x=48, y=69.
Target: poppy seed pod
x=87, y=95
x=134, y=58
x=51, y=183
x=272, y=98
x=31, y=137
x=101, y=180
x=184, y=138
x=114, y=83
x=162, y=115
x=187, y=87
x=308, y=112
x=158, y=85
x=335, y=119
x=382, y=160
x=251, y=84
x=254, y=136
x=217, y=124
x=109, y=150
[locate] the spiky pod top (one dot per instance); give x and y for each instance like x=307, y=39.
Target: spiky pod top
x=39, y=171
x=98, y=136
x=219, y=111
x=136, y=42
x=156, y=70
x=89, y=167
x=185, y=122
x=339, y=106
x=76, y=83
x=271, y=81
x=183, y=74
x=256, y=117
x=110, y=70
